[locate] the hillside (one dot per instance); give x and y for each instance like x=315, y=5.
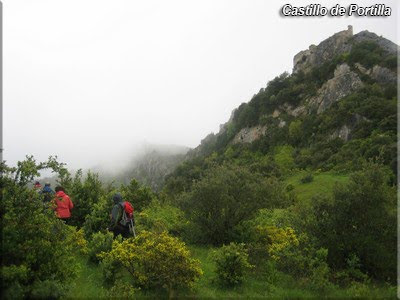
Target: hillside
x=295, y=197
x=338, y=107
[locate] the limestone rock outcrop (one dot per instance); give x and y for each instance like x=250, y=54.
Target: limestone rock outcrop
x=383, y=75
x=337, y=44
x=249, y=135
x=341, y=85
x=327, y=49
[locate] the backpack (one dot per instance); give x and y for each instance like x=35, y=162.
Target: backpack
x=47, y=196
x=127, y=217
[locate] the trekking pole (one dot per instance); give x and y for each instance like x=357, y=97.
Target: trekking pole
x=132, y=227
x=134, y=233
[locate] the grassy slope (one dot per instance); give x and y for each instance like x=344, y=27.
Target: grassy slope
x=88, y=285
x=322, y=183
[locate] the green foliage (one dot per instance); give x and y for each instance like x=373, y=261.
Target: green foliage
x=159, y=217
x=84, y=194
x=231, y=264
x=122, y=290
x=295, y=131
x=360, y=220
x=100, y=242
x=284, y=158
x=156, y=261
x=369, y=53
x=319, y=279
x=111, y=269
x=36, y=246
x=48, y=289
x=226, y=196
x=307, y=178
x=99, y=217
x=140, y=196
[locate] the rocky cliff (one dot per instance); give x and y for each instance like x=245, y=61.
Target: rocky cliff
x=345, y=78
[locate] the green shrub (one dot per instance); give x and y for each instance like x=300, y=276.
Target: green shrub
x=122, y=290
x=100, y=242
x=111, y=270
x=284, y=158
x=48, y=289
x=307, y=178
x=227, y=196
x=159, y=217
x=231, y=264
x=320, y=272
x=84, y=194
x=361, y=220
x=99, y=217
x=140, y=196
x=36, y=246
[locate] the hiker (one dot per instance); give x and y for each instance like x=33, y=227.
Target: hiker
x=62, y=204
x=47, y=193
x=117, y=213
x=37, y=186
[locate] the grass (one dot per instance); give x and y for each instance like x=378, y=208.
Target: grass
x=88, y=285
x=322, y=183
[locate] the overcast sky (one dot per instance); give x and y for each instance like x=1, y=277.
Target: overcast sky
x=88, y=80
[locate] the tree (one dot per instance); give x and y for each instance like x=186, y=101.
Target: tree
x=226, y=196
x=84, y=195
x=360, y=220
x=140, y=196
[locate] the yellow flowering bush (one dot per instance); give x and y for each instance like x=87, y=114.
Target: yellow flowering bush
x=156, y=261
x=77, y=238
x=277, y=239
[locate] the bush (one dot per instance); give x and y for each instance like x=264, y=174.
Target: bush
x=227, y=196
x=110, y=270
x=99, y=217
x=231, y=264
x=100, y=242
x=36, y=247
x=320, y=272
x=360, y=220
x=307, y=178
x=156, y=261
x=122, y=290
x=159, y=217
x=140, y=196
x=84, y=194
x=284, y=158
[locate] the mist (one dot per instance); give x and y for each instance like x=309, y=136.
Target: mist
x=96, y=82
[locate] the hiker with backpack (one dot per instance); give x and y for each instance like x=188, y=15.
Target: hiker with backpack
x=122, y=221
x=47, y=193
x=37, y=187
x=62, y=204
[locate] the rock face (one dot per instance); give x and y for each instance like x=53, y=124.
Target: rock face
x=380, y=74
x=341, y=85
x=327, y=49
x=383, y=75
x=249, y=135
x=385, y=44
x=344, y=82
x=342, y=133
x=337, y=44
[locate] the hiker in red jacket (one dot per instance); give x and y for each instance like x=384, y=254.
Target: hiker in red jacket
x=62, y=204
